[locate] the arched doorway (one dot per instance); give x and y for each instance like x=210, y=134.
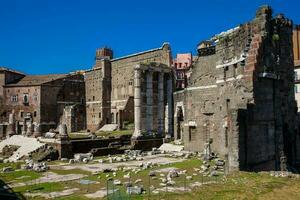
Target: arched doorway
x=180, y=120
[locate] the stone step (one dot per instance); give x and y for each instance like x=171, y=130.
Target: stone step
x=27, y=145
x=109, y=127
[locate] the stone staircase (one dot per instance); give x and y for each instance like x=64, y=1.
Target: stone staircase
x=26, y=144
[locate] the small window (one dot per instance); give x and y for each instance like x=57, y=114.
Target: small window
x=93, y=98
x=296, y=89
x=22, y=114
x=34, y=114
x=99, y=115
x=14, y=98
x=26, y=98
x=234, y=70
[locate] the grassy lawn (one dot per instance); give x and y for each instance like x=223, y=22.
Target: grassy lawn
x=101, y=133
x=19, y=176
x=240, y=185
x=41, y=187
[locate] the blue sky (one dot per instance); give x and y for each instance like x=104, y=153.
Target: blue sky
x=58, y=36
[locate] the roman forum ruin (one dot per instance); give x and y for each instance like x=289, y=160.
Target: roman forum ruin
x=239, y=100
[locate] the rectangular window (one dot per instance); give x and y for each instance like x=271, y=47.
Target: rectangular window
x=192, y=132
x=225, y=70
x=34, y=114
x=296, y=88
x=14, y=98
x=234, y=70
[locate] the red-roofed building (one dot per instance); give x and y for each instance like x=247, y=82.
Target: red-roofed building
x=182, y=64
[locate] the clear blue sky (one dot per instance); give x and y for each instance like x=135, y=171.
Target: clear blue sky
x=58, y=36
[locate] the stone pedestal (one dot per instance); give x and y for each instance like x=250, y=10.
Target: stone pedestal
x=63, y=133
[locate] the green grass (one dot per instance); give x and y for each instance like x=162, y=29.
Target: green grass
x=240, y=185
x=72, y=171
x=114, y=133
x=102, y=133
x=16, y=165
x=42, y=187
x=12, y=176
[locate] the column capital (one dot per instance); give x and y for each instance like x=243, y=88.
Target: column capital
x=137, y=67
x=149, y=71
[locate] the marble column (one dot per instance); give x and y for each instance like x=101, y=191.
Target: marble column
x=29, y=130
x=160, y=108
x=63, y=132
x=11, y=124
x=170, y=105
x=149, y=95
x=137, y=102
x=37, y=130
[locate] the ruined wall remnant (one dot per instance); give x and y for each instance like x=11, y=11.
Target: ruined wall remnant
x=241, y=96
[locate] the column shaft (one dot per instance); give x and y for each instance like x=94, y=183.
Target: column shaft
x=160, y=108
x=170, y=105
x=149, y=95
x=137, y=102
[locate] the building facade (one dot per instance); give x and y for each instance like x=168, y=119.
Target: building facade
x=296, y=50
x=113, y=95
x=36, y=103
x=240, y=98
x=181, y=65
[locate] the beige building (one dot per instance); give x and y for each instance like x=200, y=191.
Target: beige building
x=296, y=47
x=131, y=89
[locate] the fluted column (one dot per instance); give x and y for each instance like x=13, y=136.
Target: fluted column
x=160, y=111
x=170, y=105
x=137, y=102
x=149, y=95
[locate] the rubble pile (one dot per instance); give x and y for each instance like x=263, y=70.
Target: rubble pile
x=38, y=167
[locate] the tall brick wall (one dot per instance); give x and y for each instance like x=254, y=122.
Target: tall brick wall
x=296, y=44
x=241, y=98
x=98, y=90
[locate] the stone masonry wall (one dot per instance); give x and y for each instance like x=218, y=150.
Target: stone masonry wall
x=235, y=96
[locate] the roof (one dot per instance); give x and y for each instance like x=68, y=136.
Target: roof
x=142, y=52
x=34, y=80
x=10, y=70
